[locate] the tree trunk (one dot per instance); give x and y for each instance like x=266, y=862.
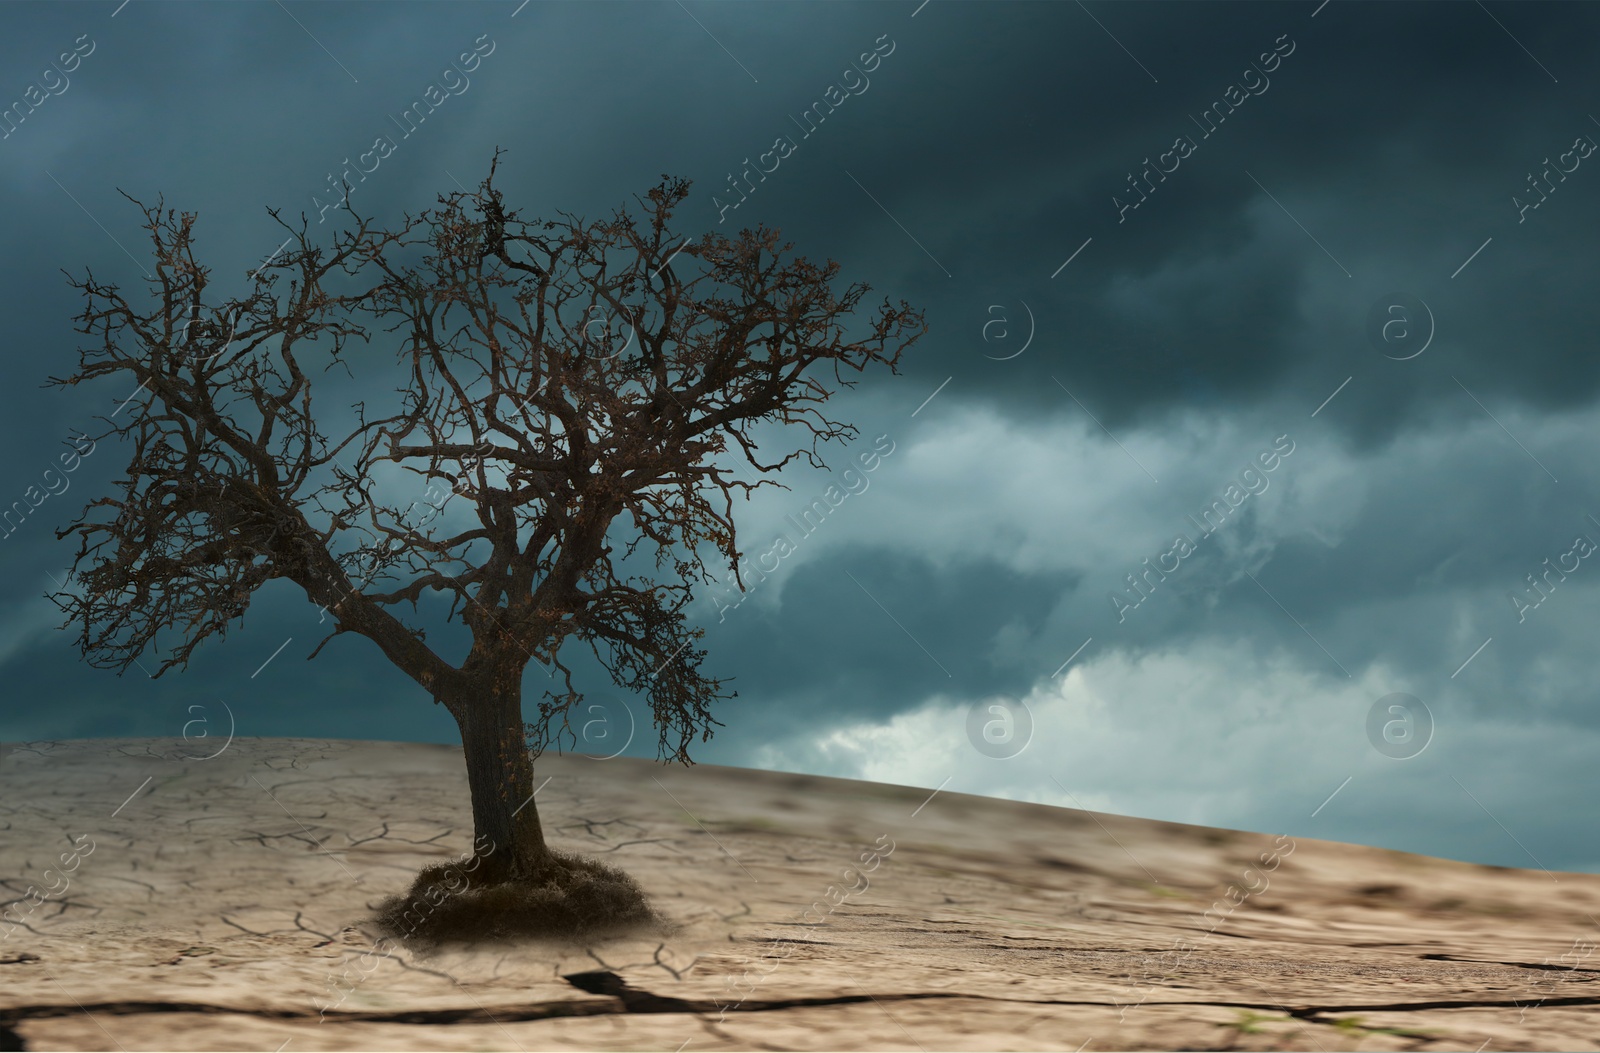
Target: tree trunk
x=505, y=818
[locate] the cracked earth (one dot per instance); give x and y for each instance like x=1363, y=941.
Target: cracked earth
x=226, y=904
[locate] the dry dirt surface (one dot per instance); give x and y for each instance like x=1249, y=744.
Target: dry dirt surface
x=162, y=898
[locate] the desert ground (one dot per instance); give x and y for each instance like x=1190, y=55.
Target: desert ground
x=183, y=900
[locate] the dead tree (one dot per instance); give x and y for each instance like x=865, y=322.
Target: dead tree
x=569, y=388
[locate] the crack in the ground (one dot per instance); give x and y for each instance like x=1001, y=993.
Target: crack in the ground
x=605, y=982
x=11, y=1017
x=619, y=995
x=1547, y=966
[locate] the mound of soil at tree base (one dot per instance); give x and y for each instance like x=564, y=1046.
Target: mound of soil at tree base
x=228, y=903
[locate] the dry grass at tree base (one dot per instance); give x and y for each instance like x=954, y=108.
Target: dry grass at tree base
x=576, y=898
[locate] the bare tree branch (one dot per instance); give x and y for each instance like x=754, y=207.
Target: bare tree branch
x=577, y=387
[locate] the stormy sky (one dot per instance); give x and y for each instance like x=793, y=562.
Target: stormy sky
x=1284, y=310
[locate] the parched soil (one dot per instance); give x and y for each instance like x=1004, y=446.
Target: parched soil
x=186, y=902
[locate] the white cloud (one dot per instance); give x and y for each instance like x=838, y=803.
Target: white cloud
x=1191, y=736
x=1217, y=735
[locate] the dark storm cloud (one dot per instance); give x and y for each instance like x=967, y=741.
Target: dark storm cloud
x=866, y=634
x=1396, y=134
